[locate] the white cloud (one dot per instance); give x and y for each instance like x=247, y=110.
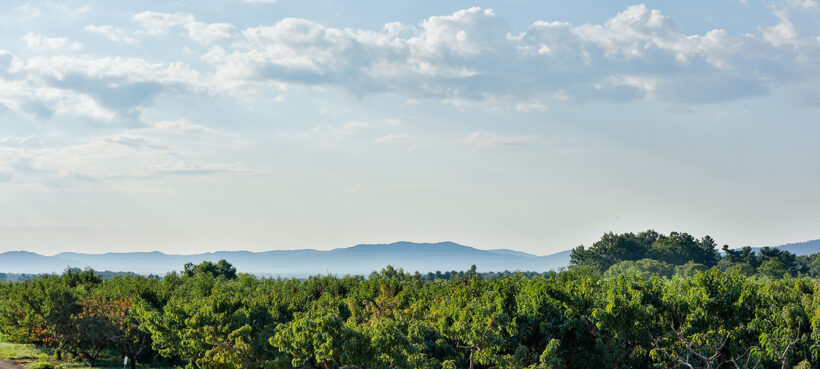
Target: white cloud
x=210, y=33
x=157, y=23
x=464, y=33
x=469, y=58
x=472, y=55
x=487, y=139
x=783, y=33
x=105, y=89
x=39, y=42
x=115, y=34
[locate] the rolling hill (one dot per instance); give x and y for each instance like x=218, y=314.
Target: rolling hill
x=802, y=248
x=359, y=259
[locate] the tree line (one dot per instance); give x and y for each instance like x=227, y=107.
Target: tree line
x=210, y=316
x=19, y=277
x=653, y=253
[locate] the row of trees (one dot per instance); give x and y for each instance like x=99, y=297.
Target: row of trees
x=211, y=317
x=19, y=277
x=653, y=253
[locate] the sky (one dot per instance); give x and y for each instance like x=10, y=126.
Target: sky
x=195, y=126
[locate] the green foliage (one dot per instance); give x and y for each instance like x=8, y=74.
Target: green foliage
x=650, y=253
x=641, y=313
x=642, y=268
x=220, y=269
x=673, y=249
x=10, y=350
x=742, y=269
x=41, y=365
x=689, y=269
x=613, y=248
x=768, y=262
x=681, y=248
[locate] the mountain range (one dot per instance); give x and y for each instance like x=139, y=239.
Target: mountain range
x=359, y=259
x=800, y=248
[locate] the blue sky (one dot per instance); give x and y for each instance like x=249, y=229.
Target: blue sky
x=190, y=126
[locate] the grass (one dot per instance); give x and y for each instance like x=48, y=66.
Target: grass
x=15, y=351
x=34, y=357
x=22, y=354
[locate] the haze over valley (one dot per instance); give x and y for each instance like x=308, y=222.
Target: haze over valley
x=355, y=260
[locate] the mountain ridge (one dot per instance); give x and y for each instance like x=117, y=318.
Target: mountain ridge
x=359, y=259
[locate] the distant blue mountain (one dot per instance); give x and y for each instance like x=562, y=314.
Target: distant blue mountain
x=512, y=252
x=29, y=262
x=801, y=248
x=359, y=259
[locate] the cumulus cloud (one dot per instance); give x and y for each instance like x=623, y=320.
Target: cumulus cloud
x=157, y=23
x=104, y=89
x=474, y=55
x=39, y=42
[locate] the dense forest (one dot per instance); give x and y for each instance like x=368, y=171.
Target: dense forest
x=652, y=253
x=629, y=301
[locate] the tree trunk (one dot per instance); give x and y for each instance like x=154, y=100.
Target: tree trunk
x=472, y=351
x=133, y=363
x=59, y=354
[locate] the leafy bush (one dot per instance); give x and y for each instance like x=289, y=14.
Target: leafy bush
x=629, y=317
x=41, y=365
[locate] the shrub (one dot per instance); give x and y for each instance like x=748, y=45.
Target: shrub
x=42, y=365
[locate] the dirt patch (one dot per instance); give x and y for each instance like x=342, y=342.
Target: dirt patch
x=8, y=364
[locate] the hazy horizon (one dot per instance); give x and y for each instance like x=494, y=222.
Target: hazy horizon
x=280, y=124
x=360, y=244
